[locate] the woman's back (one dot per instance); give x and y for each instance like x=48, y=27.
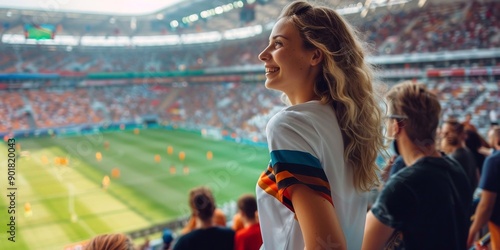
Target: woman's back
x=319, y=163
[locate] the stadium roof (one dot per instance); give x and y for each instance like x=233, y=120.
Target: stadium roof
x=130, y=18
x=114, y=7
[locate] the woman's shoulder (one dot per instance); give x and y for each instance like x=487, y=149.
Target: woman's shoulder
x=303, y=111
x=289, y=118
x=306, y=120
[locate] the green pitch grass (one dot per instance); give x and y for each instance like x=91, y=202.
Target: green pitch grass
x=69, y=205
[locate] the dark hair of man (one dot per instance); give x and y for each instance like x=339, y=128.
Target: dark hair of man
x=458, y=132
x=248, y=206
x=420, y=106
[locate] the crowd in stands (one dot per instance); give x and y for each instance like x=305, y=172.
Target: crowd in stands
x=49, y=108
x=11, y=111
x=129, y=103
x=61, y=108
x=235, y=107
x=444, y=28
x=242, y=109
x=434, y=28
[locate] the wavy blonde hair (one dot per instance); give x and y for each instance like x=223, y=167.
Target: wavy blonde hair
x=345, y=83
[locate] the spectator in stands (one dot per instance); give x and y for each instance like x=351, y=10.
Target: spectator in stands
x=207, y=235
x=453, y=144
x=473, y=141
x=219, y=219
x=468, y=126
x=427, y=204
x=493, y=117
x=110, y=242
x=248, y=238
x=167, y=238
x=488, y=209
x=237, y=222
x=323, y=146
x=467, y=123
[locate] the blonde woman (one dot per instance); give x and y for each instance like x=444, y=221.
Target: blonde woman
x=324, y=145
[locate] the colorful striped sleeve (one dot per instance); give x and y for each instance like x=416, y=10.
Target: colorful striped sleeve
x=289, y=167
x=292, y=139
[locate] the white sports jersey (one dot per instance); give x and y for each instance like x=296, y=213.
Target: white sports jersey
x=306, y=147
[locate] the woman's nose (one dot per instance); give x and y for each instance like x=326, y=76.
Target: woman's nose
x=264, y=55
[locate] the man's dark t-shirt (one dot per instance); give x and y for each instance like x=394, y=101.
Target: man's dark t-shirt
x=214, y=238
x=490, y=180
x=429, y=203
x=465, y=157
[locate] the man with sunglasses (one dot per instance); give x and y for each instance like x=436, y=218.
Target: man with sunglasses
x=427, y=204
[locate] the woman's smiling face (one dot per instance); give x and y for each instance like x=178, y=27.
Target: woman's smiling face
x=288, y=63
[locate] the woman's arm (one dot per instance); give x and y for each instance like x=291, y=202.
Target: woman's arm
x=317, y=218
x=376, y=233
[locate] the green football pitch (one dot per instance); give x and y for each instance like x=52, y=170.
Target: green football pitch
x=57, y=205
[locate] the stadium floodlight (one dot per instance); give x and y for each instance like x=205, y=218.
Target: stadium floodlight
x=227, y=7
x=193, y=18
x=206, y=37
x=174, y=24
x=241, y=33
x=219, y=10
x=204, y=14
x=239, y=4
x=212, y=12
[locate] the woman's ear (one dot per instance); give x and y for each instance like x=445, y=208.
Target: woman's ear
x=317, y=57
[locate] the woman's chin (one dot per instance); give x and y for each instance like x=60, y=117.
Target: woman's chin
x=271, y=85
